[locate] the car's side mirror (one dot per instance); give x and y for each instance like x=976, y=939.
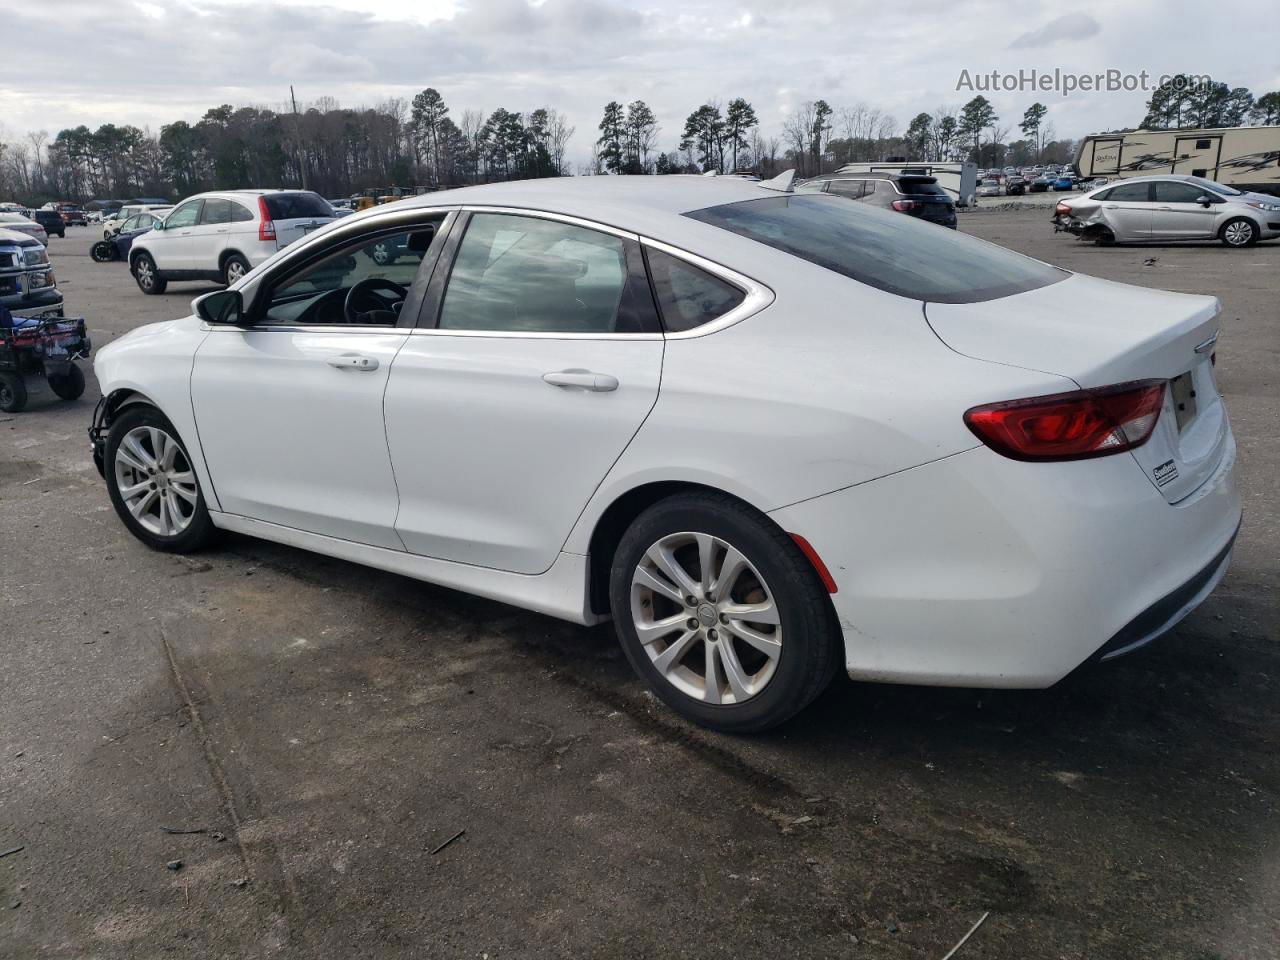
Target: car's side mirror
x=158, y=225
x=1203, y=201
x=222, y=306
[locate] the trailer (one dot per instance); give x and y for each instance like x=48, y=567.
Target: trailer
x=1247, y=158
x=960, y=180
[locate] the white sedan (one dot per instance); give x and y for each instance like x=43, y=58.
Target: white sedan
x=767, y=433
x=24, y=224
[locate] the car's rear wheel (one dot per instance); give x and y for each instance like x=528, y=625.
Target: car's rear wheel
x=719, y=611
x=234, y=269
x=152, y=484
x=13, y=393
x=69, y=385
x=1239, y=232
x=144, y=272
x=1103, y=237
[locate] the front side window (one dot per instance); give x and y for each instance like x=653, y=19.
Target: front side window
x=185, y=216
x=1130, y=193
x=1171, y=191
x=364, y=282
x=529, y=275
x=688, y=296
x=898, y=254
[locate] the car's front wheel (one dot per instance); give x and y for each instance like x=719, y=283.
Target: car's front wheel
x=719, y=611
x=1240, y=232
x=144, y=272
x=152, y=484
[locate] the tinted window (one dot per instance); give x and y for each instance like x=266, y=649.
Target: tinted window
x=293, y=206
x=927, y=186
x=216, y=211
x=240, y=214
x=185, y=216
x=529, y=275
x=1170, y=191
x=1130, y=192
x=846, y=188
x=688, y=297
x=899, y=254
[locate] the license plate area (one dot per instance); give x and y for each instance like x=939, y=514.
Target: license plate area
x=1182, y=389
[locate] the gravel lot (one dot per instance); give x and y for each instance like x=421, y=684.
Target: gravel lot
x=331, y=726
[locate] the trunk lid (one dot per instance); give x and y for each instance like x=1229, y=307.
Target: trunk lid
x=1100, y=333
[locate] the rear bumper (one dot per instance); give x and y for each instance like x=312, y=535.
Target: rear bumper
x=980, y=571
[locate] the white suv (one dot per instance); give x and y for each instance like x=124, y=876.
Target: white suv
x=223, y=235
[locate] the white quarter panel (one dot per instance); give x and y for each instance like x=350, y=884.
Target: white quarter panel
x=493, y=463
x=290, y=439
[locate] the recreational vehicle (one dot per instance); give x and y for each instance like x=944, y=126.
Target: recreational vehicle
x=960, y=180
x=1247, y=158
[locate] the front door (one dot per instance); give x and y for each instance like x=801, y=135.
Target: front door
x=289, y=412
x=509, y=409
x=174, y=247
x=1176, y=213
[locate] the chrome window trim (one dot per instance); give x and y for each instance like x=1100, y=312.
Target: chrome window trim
x=300, y=328
x=530, y=334
x=758, y=296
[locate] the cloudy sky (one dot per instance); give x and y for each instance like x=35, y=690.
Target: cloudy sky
x=148, y=62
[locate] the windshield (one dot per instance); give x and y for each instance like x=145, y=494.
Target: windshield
x=1221, y=188
x=883, y=249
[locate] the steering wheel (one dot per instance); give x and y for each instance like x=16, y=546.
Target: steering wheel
x=378, y=309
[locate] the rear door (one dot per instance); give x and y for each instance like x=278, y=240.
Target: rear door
x=506, y=410
x=1127, y=208
x=209, y=237
x=295, y=213
x=1176, y=214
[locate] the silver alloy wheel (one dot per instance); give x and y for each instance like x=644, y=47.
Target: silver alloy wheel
x=1238, y=234
x=694, y=590
x=144, y=273
x=235, y=270
x=155, y=481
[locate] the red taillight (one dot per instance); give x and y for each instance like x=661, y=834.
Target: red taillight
x=1071, y=426
x=1062, y=210
x=266, y=226
x=906, y=206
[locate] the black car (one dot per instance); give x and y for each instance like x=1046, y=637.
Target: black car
x=913, y=194
x=51, y=220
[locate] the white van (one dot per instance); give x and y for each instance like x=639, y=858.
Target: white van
x=960, y=180
x=1247, y=158
x=223, y=235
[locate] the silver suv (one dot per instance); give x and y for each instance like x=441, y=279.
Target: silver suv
x=1170, y=207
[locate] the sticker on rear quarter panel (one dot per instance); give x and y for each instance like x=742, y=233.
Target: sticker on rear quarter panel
x=1165, y=473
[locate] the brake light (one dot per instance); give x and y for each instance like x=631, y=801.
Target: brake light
x=1071, y=426
x=1062, y=210
x=906, y=206
x=266, y=226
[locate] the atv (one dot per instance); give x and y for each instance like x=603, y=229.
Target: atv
x=47, y=346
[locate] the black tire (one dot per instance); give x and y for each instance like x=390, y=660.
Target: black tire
x=104, y=251
x=13, y=393
x=69, y=385
x=200, y=531
x=1239, y=232
x=234, y=268
x=148, y=278
x=1103, y=237
x=812, y=645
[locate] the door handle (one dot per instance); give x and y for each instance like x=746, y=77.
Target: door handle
x=583, y=379
x=353, y=361
x=1166, y=209
x=1110, y=206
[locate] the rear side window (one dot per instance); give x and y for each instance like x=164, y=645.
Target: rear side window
x=883, y=249
x=216, y=211
x=846, y=188
x=295, y=206
x=688, y=296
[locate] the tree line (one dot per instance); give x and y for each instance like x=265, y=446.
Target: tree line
x=338, y=151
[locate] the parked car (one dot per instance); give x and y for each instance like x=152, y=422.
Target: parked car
x=72, y=215
x=989, y=188
x=16, y=221
x=51, y=220
x=1064, y=182
x=117, y=246
x=113, y=223
x=28, y=286
x=962, y=442
x=913, y=194
x=223, y=235
x=1170, y=207
x=1016, y=186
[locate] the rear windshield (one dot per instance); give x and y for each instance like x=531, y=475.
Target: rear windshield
x=883, y=249
x=926, y=186
x=293, y=206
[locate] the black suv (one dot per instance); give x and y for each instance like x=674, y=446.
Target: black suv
x=51, y=220
x=911, y=193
